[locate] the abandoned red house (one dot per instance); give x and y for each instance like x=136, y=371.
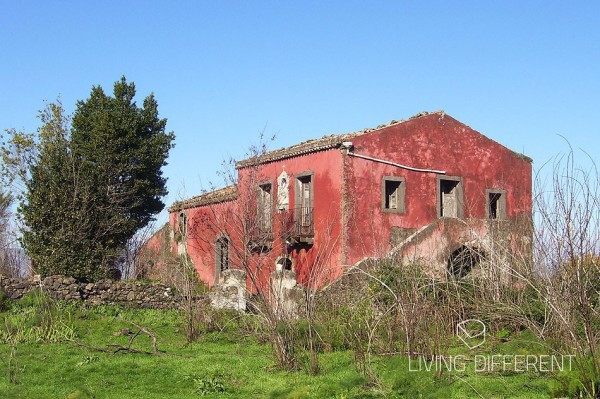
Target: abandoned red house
x=428, y=188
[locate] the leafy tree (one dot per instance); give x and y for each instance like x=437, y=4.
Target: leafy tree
x=59, y=234
x=5, y=202
x=90, y=182
x=126, y=147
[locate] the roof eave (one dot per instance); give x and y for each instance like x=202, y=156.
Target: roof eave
x=226, y=194
x=267, y=158
x=329, y=142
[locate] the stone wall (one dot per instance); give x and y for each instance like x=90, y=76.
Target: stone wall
x=129, y=293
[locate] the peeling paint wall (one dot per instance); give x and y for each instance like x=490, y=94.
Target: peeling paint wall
x=206, y=223
x=436, y=141
x=349, y=223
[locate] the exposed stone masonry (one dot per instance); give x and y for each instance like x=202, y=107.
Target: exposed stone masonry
x=129, y=293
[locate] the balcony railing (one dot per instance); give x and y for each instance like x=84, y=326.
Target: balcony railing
x=294, y=226
x=299, y=226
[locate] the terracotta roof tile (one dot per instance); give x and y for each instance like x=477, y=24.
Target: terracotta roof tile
x=224, y=194
x=306, y=147
x=314, y=145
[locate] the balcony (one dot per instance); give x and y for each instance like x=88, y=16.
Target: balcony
x=300, y=226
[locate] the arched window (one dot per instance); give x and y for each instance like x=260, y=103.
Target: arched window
x=463, y=260
x=222, y=254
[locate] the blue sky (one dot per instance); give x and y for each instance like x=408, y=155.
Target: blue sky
x=522, y=73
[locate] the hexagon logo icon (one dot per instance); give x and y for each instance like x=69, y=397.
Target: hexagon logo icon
x=471, y=332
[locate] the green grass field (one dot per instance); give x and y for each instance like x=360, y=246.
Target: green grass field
x=223, y=365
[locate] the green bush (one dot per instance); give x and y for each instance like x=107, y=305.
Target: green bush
x=503, y=334
x=570, y=383
x=5, y=302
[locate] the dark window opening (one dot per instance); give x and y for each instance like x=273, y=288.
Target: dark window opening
x=463, y=260
x=393, y=194
x=392, y=189
x=284, y=264
x=494, y=198
x=496, y=204
x=450, y=200
x=222, y=254
x=182, y=224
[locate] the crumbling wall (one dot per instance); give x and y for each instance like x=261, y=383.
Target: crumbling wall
x=230, y=291
x=498, y=243
x=286, y=292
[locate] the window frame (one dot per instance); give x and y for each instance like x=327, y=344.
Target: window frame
x=182, y=224
x=298, y=194
x=460, y=200
x=401, y=199
x=501, y=211
x=259, y=203
x=218, y=265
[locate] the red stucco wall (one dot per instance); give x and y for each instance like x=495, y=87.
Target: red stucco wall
x=436, y=141
x=349, y=221
x=206, y=223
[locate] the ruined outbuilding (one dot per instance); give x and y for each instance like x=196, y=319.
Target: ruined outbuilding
x=427, y=189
